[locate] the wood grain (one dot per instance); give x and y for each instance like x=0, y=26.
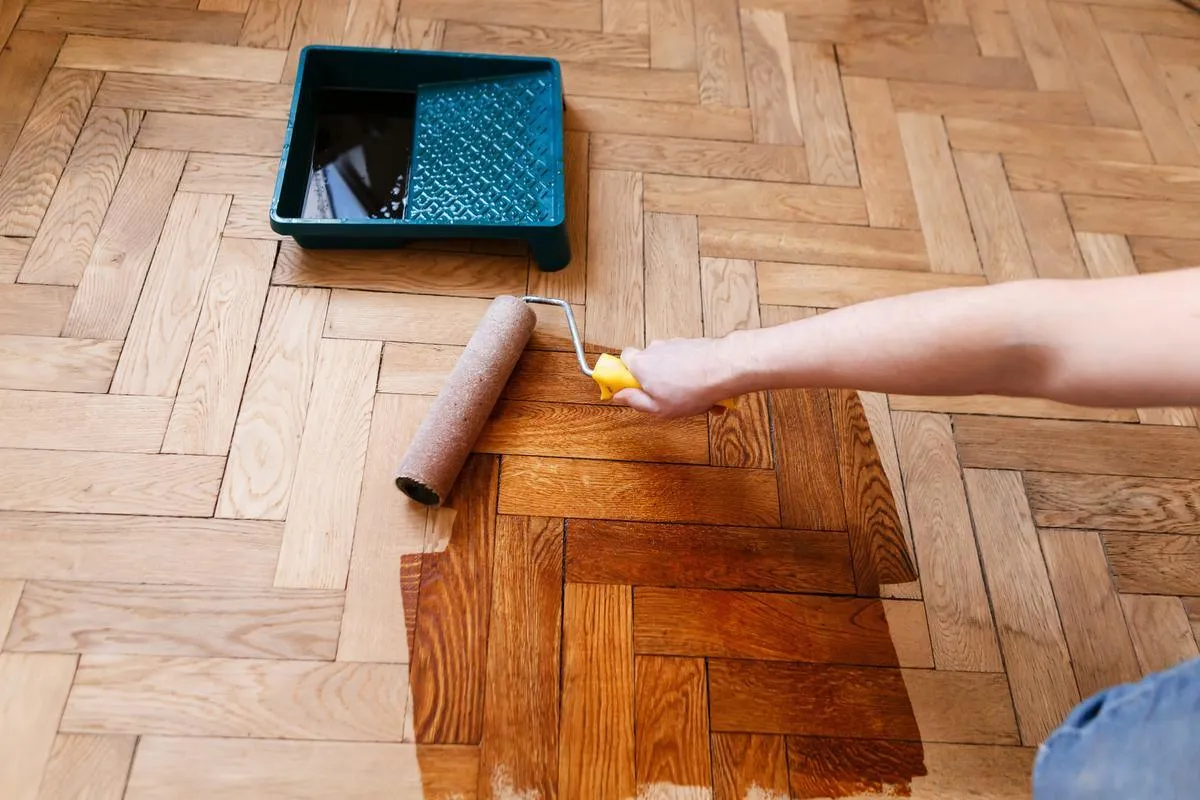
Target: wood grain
x=60, y=252
x=34, y=420
x=33, y=310
x=1106, y=255
x=1044, y=49
x=993, y=27
x=857, y=25
x=810, y=491
x=25, y=61
x=13, y=251
x=615, y=277
x=993, y=405
x=1118, y=502
x=521, y=717
x=1134, y=217
x=632, y=83
x=879, y=420
x=769, y=627
x=41, y=151
x=175, y=621
x=828, y=144
x=698, y=157
x=1048, y=234
x=57, y=364
x=940, y=203
x=808, y=243
x=1153, y=563
x=721, y=68
x=1101, y=651
x=828, y=767
x=220, y=173
x=10, y=595
x=33, y=689
x=880, y=154
x=182, y=696
x=747, y=763
x=770, y=80
x=108, y=483
x=1108, y=178
x=877, y=542
x=1000, y=105
x=156, y=348
x=211, y=134
x=1152, y=102
x=618, y=49
x=673, y=279
x=370, y=23
x=883, y=60
x=104, y=19
x=755, y=200
x=1031, y=636
x=85, y=766
x=960, y=620
x=1050, y=140
x=116, y=269
x=1000, y=239
x=581, y=15
x=671, y=713
x=708, y=557
x=450, y=653
x=1101, y=85
x=1162, y=636
x=188, y=59
x=1157, y=254
x=318, y=534
x=834, y=287
x=185, y=94
x=672, y=34
x=596, y=744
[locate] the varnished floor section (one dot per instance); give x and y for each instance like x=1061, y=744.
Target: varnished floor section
x=210, y=589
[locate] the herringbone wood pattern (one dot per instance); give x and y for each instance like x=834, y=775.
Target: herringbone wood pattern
x=210, y=588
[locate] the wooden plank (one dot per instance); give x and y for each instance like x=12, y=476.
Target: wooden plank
x=940, y=202
x=755, y=199
x=910, y=632
x=808, y=243
x=25, y=61
x=860, y=702
x=879, y=421
x=519, y=753
x=1134, y=217
x=984, y=771
x=1172, y=50
x=112, y=19
x=1167, y=416
x=884, y=172
x=1152, y=102
x=810, y=491
x=722, y=71
x=1044, y=50
x=832, y=287
x=417, y=271
x=632, y=83
x=902, y=11
x=41, y=151
x=421, y=369
x=774, y=109
x=1157, y=20
x=415, y=33
x=319, y=532
x=450, y=652
x=72, y=222
x=646, y=118
x=116, y=269
x=1183, y=82
x=10, y=595
x=574, y=430
x=160, y=333
x=218, y=173
x=1009, y=407
x=596, y=744
x=269, y=23
x=33, y=310
x=672, y=270
x=877, y=60
x=95, y=767
x=1106, y=255
x=1049, y=140
x=1162, y=635
x=108, y=483
x=829, y=767
x=994, y=30
x=672, y=35
x=35, y=420
x=626, y=16
x=994, y=217
x=580, y=15
x=552, y=487
x=207, y=133
x=618, y=49
x=706, y=557
x=1192, y=607
x=370, y=23
x=925, y=36
x=104, y=547
x=698, y=158
x=351, y=702
x=1157, y=254
x=267, y=436
x=53, y=364
x=13, y=251
x=300, y=769
x=999, y=105
x=570, y=283
x=1031, y=636
x=671, y=712
x=184, y=94
x=205, y=622
x=828, y=145
x=615, y=277
x=748, y=765
x=172, y=58
x=1101, y=651
x=1048, y=233
x=1093, y=448
x=210, y=391
x=33, y=689
x=1102, y=87
x=550, y=377
x=249, y=218
x=387, y=529
x=960, y=618
x=1153, y=563
x=317, y=22
x=704, y=623
x=877, y=541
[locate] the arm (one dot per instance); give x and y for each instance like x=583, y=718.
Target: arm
x=1116, y=342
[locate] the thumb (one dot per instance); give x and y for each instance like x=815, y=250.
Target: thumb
x=637, y=399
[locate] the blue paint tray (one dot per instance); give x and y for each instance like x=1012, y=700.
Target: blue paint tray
x=387, y=146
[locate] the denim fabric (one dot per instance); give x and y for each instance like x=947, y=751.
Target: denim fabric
x=1132, y=741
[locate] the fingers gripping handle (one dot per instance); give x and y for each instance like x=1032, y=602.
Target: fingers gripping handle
x=611, y=374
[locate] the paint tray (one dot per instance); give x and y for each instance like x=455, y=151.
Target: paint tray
x=387, y=146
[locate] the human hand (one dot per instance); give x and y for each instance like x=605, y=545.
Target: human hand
x=679, y=377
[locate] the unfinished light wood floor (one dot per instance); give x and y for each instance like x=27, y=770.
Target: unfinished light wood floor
x=210, y=589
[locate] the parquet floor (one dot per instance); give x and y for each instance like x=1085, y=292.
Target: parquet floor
x=209, y=587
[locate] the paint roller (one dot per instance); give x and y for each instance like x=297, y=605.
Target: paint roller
x=448, y=433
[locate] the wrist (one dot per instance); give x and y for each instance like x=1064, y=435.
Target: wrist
x=738, y=369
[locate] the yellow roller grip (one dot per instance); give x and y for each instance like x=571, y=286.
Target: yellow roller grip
x=611, y=374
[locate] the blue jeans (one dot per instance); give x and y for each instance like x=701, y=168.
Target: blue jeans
x=1132, y=741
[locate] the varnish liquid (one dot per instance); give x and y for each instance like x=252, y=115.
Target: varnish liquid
x=361, y=155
